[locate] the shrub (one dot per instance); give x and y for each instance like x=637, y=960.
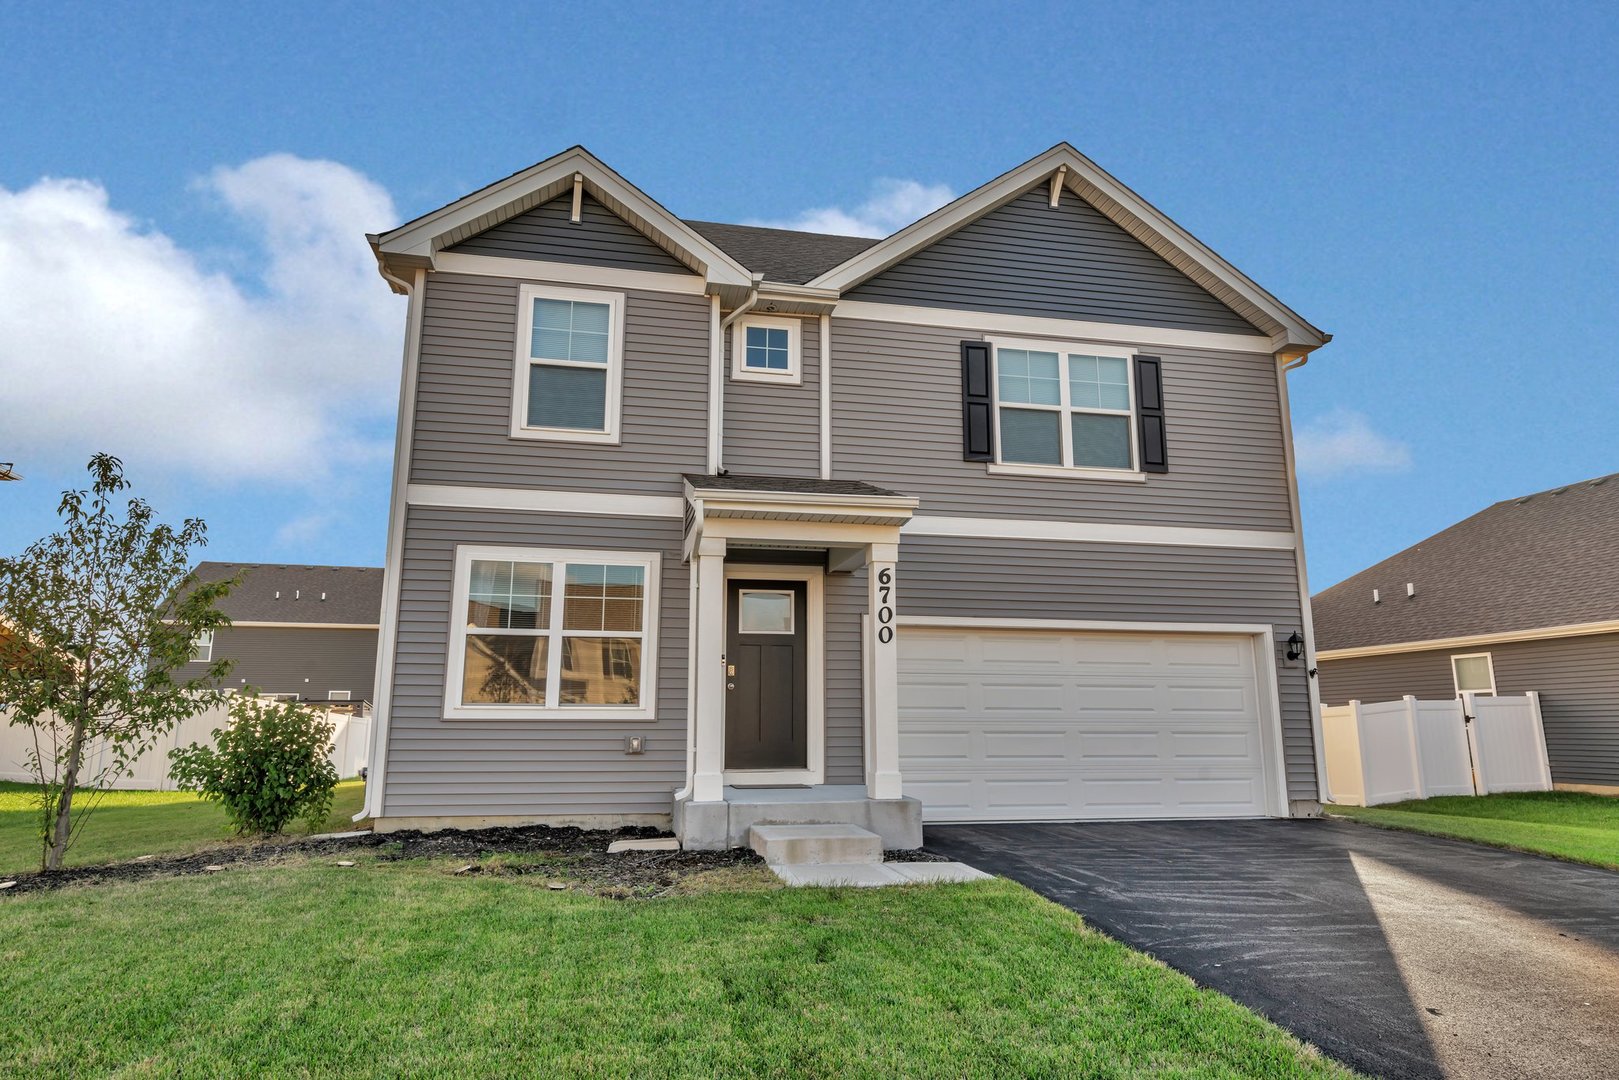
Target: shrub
x=268, y=767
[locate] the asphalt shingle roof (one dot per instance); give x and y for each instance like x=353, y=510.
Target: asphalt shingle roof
x=783, y=255
x=794, y=485
x=1547, y=559
x=352, y=594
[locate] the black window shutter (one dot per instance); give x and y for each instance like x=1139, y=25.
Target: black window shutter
x=1150, y=410
x=977, y=408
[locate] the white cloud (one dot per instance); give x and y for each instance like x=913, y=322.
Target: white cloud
x=893, y=205
x=115, y=337
x=1342, y=442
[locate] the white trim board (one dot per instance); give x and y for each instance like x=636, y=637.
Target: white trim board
x=1096, y=532
x=988, y=322
x=611, y=504
x=542, y=500
x=1544, y=633
x=455, y=262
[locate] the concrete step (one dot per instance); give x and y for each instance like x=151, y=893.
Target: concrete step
x=815, y=844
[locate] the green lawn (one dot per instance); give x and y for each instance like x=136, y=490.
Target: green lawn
x=404, y=968
x=1565, y=824
x=128, y=824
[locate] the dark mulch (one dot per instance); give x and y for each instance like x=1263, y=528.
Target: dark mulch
x=570, y=855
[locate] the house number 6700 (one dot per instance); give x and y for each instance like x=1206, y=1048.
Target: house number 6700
x=885, y=605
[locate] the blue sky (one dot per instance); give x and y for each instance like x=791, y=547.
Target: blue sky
x=1434, y=184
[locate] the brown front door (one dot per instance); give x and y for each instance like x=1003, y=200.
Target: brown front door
x=766, y=704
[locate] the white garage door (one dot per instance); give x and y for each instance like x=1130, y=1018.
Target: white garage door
x=1007, y=725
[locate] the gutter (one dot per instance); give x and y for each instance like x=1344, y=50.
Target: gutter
x=716, y=374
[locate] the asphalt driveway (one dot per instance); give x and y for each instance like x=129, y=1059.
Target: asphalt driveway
x=1398, y=954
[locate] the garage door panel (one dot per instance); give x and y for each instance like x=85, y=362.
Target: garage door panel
x=1231, y=701
x=1032, y=746
x=1125, y=726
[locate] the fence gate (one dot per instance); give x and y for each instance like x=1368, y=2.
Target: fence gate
x=1408, y=749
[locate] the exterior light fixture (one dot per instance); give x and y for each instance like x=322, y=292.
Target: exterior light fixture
x=1295, y=646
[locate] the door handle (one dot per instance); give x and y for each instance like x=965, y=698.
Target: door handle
x=730, y=686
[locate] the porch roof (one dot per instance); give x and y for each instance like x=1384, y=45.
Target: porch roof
x=787, y=485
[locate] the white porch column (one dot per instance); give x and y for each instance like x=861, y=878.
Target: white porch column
x=882, y=771
x=708, y=667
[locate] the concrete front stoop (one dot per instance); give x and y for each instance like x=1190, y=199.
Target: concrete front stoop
x=815, y=844
x=822, y=853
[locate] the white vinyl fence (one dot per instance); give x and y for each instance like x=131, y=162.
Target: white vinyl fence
x=150, y=771
x=1409, y=749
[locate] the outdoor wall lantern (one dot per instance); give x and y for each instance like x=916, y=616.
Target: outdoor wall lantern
x=1295, y=646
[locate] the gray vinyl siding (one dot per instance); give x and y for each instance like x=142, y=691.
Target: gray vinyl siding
x=1577, y=678
x=896, y=422
x=1066, y=263
x=600, y=238
x=464, y=396
x=845, y=598
x=439, y=767
x=296, y=660
x=774, y=429
x=1023, y=579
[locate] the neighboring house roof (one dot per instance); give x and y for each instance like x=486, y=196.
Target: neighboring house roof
x=278, y=593
x=1550, y=559
x=783, y=255
x=735, y=258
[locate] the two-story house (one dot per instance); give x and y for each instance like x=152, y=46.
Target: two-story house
x=990, y=520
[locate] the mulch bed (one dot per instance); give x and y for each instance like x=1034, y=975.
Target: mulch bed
x=572, y=855
x=578, y=854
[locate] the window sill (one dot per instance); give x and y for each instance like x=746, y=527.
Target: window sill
x=564, y=435
x=504, y=713
x=1060, y=472
x=791, y=377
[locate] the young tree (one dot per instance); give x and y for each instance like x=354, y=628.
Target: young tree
x=100, y=615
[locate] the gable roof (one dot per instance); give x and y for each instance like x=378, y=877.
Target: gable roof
x=1543, y=560
x=339, y=595
x=414, y=243
x=1148, y=224
x=734, y=258
x=783, y=255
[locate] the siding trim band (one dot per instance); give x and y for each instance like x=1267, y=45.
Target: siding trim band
x=1610, y=626
x=454, y=262
x=609, y=504
x=990, y=322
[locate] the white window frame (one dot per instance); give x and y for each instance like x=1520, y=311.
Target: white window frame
x=202, y=648
x=793, y=376
x=523, y=363
x=1065, y=409
x=339, y=695
x=650, y=561
x=1455, y=680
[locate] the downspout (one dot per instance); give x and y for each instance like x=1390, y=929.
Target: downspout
x=716, y=374
x=1286, y=363
x=387, y=629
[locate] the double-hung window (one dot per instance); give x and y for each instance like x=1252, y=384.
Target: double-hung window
x=1064, y=407
x=766, y=349
x=543, y=632
x=202, y=648
x=570, y=364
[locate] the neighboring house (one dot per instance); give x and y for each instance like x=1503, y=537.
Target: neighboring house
x=990, y=520
x=303, y=632
x=1521, y=596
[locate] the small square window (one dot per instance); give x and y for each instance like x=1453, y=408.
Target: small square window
x=764, y=611
x=766, y=350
